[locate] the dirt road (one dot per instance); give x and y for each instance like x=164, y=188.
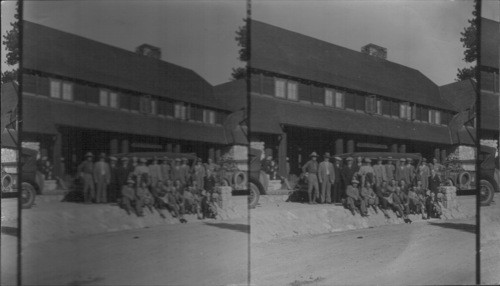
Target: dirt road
x=434, y=253
x=190, y=254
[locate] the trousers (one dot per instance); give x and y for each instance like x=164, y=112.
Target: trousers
x=88, y=188
x=326, y=187
x=312, y=187
x=101, y=190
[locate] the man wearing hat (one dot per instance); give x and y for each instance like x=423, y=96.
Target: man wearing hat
x=400, y=170
x=155, y=172
x=102, y=177
x=410, y=172
x=326, y=176
x=337, y=184
x=122, y=173
x=166, y=170
x=311, y=171
x=366, y=172
x=185, y=171
x=424, y=173
x=176, y=170
x=86, y=172
x=114, y=185
x=389, y=169
x=348, y=172
x=141, y=171
x=379, y=171
x=128, y=197
x=354, y=199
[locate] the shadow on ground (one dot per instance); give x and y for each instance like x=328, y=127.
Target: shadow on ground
x=236, y=226
x=9, y=230
x=458, y=226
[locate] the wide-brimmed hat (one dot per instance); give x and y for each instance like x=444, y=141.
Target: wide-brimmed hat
x=402, y=159
x=184, y=159
x=313, y=154
x=177, y=159
x=130, y=181
x=368, y=160
x=112, y=158
x=409, y=159
x=89, y=154
x=350, y=159
x=338, y=158
x=124, y=159
x=354, y=181
x=327, y=155
x=143, y=160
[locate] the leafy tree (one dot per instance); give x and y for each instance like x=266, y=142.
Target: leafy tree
x=243, y=55
x=469, y=41
x=11, y=42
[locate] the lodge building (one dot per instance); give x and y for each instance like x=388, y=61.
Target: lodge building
x=310, y=95
x=80, y=95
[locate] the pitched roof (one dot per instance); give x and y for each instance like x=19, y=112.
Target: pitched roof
x=461, y=95
x=56, y=52
x=232, y=95
x=490, y=37
x=289, y=53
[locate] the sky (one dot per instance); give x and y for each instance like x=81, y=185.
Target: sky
x=200, y=34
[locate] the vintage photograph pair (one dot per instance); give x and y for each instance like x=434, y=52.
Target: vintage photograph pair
x=250, y=142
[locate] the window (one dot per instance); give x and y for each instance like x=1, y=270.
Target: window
x=405, y=110
x=328, y=97
x=55, y=88
x=180, y=111
x=67, y=91
x=378, y=110
x=292, y=90
x=113, y=99
x=435, y=116
x=209, y=116
x=339, y=99
x=153, y=106
x=103, y=97
x=349, y=101
x=371, y=104
x=279, y=88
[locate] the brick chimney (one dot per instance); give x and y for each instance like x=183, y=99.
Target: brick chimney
x=374, y=50
x=149, y=51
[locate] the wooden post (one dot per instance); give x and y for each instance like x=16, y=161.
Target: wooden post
x=282, y=150
x=113, y=146
x=350, y=146
x=339, y=146
x=394, y=148
x=125, y=146
x=177, y=148
x=402, y=148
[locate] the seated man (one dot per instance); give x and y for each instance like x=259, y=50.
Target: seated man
x=432, y=206
x=128, y=196
x=385, y=197
x=401, y=204
x=169, y=200
x=369, y=196
x=144, y=197
x=354, y=200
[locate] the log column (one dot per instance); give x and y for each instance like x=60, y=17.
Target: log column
x=339, y=146
x=350, y=146
x=282, y=148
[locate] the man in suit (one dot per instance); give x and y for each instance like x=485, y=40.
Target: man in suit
x=424, y=173
x=380, y=172
x=122, y=172
x=348, y=172
x=389, y=169
x=86, y=173
x=354, y=199
x=326, y=176
x=102, y=177
x=337, y=191
x=434, y=182
x=154, y=172
x=165, y=170
x=114, y=185
x=311, y=171
x=410, y=172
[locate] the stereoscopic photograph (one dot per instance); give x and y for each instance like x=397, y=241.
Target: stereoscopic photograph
x=250, y=142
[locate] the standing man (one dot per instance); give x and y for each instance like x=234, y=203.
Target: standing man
x=434, y=182
x=348, y=172
x=122, y=173
x=141, y=172
x=114, y=185
x=102, y=177
x=176, y=170
x=436, y=166
x=410, y=171
x=424, y=173
x=199, y=174
x=326, y=176
x=166, y=170
x=311, y=171
x=337, y=185
x=185, y=172
x=366, y=172
x=380, y=172
x=86, y=172
x=155, y=172
x=389, y=169
x=400, y=170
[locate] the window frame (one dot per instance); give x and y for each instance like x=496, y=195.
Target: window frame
x=277, y=88
x=64, y=95
x=338, y=94
x=55, y=83
x=104, y=92
x=116, y=100
x=180, y=111
x=295, y=88
x=330, y=93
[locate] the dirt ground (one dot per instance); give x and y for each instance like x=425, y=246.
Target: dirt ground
x=490, y=242
x=424, y=253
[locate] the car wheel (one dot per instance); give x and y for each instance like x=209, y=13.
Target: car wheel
x=254, y=194
x=486, y=192
x=28, y=195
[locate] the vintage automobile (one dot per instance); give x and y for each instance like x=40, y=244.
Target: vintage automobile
x=488, y=166
x=29, y=187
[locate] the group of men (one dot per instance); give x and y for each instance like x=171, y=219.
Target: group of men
x=163, y=183
x=359, y=183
